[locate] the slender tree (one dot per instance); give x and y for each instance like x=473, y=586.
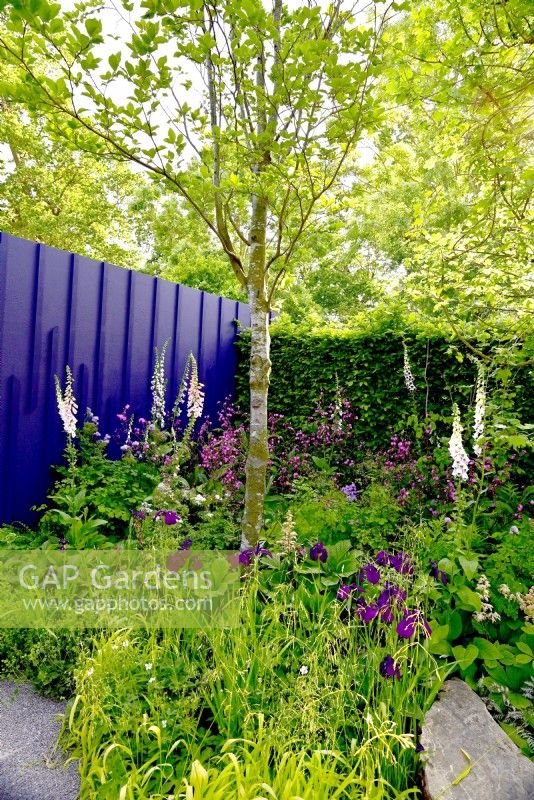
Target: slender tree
x=268, y=103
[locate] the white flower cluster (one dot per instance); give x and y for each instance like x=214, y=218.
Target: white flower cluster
x=158, y=385
x=480, y=408
x=524, y=601
x=192, y=389
x=487, y=612
x=408, y=375
x=195, y=395
x=66, y=403
x=460, y=459
x=288, y=537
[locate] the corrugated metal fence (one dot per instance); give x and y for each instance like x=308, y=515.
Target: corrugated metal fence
x=57, y=308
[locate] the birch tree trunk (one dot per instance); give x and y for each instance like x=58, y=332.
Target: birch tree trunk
x=260, y=371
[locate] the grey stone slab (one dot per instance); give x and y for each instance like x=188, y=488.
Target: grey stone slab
x=30, y=767
x=458, y=721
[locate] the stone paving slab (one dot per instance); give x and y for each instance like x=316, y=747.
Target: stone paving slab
x=498, y=770
x=29, y=767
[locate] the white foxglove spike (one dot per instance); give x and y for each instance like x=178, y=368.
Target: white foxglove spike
x=408, y=375
x=66, y=403
x=460, y=459
x=158, y=386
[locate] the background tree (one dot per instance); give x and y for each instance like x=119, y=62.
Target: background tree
x=271, y=102
x=69, y=200
x=453, y=175
x=192, y=255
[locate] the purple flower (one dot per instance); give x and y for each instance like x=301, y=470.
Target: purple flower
x=437, y=573
x=138, y=514
x=186, y=544
x=382, y=558
x=401, y=563
x=343, y=593
x=318, y=552
x=368, y=612
x=345, y=590
x=389, y=669
x=169, y=517
x=408, y=625
x=386, y=614
x=419, y=747
x=372, y=574
x=246, y=556
x=350, y=491
x=391, y=592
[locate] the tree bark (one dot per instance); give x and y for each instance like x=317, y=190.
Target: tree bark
x=260, y=371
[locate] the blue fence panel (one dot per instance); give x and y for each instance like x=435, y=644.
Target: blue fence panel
x=58, y=308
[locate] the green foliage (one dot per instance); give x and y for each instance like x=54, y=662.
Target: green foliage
x=369, y=368
x=479, y=626
x=297, y=671
x=47, y=658
x=98, y=494
x=51, y=194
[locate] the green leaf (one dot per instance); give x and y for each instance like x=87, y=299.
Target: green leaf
x=518, y=700
x=488, y=650
x=469, y=566
x=93, y=27
x=465, y=655
x=470, y=600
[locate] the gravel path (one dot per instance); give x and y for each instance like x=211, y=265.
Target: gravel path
x=29, y=769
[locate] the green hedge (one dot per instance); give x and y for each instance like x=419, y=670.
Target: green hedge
x=370, y=371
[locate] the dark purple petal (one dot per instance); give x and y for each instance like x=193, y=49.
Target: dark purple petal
x=412, y=620
x=368, y=612
x=372, y=574
x=401, y=563
x=343, y=593
x=245, y=557
x=171, y=517
x=406, y=626
x=382, y=558
x=389, y=669
x=318, y=552
x=437, y=573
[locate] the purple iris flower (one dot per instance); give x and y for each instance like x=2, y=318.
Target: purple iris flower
x=408, y=625
x=138, y=514
x=343, y=593
x=437, y=573
x=382, y=558
x=345, y=590
x=389, y=593
x=386, y=614
x=186, y=544
x=389, y=669
x=372, y=574
x=401, y=563
x=419, y=747
x=246, y=556
x=169, y=517
x=318, y=552
x=368, y=612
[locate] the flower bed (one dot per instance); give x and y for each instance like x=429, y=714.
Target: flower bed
x=380, y=574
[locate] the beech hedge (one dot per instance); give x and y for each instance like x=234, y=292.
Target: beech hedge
x=369, y=369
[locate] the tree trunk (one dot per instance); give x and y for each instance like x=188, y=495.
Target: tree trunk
x=260, y=370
